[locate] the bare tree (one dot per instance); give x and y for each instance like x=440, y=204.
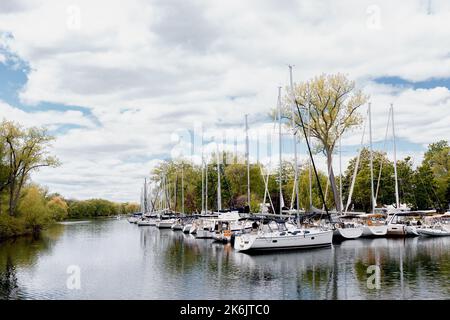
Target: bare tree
x=330, y=102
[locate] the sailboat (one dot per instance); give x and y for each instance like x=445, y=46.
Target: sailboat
x=166, y=219
x=345, y=226
x=397, y=224
x=374, y=223
x=178, y=224
x=143, y=220
x=270, y=234
x=436, y=226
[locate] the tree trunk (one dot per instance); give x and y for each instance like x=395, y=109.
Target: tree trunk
x=336, y=197
x=11, y=198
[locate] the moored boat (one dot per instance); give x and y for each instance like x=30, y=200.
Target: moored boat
x=273, y=235
x=187, y=227
x=435, y=231
x=374, y=225
x=346, y=232
x=144, y=222
x=177, y=225
x=165, y=222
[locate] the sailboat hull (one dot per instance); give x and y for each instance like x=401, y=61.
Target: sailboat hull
x=204, y=234
x=177, y=227
x=375, y=231
x=396, y=230
x=187, y=228
x=143, y=223
x=430, y=232
x=164, y=224
x=348, y=233
x=261, y=242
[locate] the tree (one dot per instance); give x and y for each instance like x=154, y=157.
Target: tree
x=58, y=208
x=33, y=209
x=331, y=101
x=25, y=150
x=424, y=188
x=437, y=157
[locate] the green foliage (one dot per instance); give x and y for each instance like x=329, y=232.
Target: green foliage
x=437, y=158
x=33, y=209
x=424, y=187
x=94, y=208
x=328, y=106
x=22, y=151
x=58, y=208
x=10, y=226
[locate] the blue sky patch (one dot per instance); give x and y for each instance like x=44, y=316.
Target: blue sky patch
x=428, y=84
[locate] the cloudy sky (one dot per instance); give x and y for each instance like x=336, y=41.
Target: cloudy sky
x=117, y=82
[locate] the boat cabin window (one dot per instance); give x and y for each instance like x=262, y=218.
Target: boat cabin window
x=281, y=226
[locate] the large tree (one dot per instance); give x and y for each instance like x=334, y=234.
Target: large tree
x=328, y=104
x=437, y=157
x=22, y=152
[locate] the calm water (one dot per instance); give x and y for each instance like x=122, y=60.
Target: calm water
x=118, y=260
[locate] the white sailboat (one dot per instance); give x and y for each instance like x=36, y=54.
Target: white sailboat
x=165, y=222
x=346, y=228
x=204, y=228
x=187, y=227
x=274, y=235
x=436, y=226
x=177, y=225
x=374, y=224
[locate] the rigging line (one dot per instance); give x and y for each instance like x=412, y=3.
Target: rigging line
x=266, y=189
x=355, y=171
x=312, y=161
x=384, y=148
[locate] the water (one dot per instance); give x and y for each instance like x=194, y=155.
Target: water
x=118, y=260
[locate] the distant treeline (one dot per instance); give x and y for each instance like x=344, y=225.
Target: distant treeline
x=98, y=208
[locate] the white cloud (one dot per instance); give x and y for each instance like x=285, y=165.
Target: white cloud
x=147, y=69
x=55, y=119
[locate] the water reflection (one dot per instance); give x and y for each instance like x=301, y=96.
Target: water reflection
x=123, y=261
x=22, y=253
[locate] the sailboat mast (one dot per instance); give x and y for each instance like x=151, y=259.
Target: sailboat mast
x=309, y=160
x=371, y=160
x=280, y=150
x=182, y=188
x=203, y=184
x=145, y=195
x=219, y=195
x=206, y=186
x=340, y=175
x=397, y=198
x=296, y=184
x=247, y=155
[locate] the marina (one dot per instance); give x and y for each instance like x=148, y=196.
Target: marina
x=228, y=152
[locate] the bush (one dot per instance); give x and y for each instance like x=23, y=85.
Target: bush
x=58, y=208
x=10, y=226
x=33, y=210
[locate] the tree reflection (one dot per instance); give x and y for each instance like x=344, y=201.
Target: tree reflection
x=22, y=252
x=406, y=267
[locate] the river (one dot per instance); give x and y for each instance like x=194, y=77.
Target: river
x=112, y=259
